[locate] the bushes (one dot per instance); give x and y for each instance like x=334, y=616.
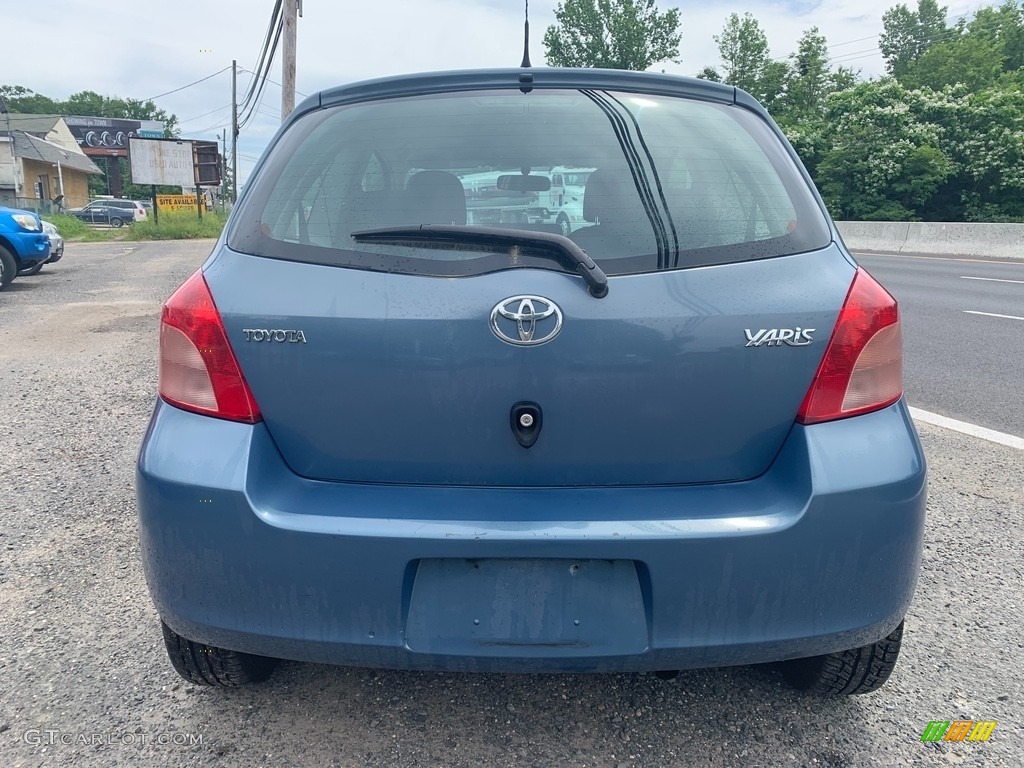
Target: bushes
x=69, y=227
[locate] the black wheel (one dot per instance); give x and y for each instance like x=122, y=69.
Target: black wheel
x=860, y=670
x=116, y=223
x=8, y=267
x=208, y=665
x=31, y=270
x=564, y=226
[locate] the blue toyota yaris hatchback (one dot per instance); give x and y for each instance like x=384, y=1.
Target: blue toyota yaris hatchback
x=406, y=421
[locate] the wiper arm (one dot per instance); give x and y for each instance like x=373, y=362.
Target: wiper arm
x=557, y=247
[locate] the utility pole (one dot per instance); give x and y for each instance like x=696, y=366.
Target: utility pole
x=223, y=170
x=234, y=131
x=290, y=11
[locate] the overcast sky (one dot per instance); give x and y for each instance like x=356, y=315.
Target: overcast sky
x=142, y=48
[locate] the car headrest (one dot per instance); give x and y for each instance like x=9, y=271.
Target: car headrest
x=611, y=197
x=434, y=197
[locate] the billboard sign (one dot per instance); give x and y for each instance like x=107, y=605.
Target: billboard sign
x=109, y=136
x=162, y=161
x=176, y=202
x=208, y=163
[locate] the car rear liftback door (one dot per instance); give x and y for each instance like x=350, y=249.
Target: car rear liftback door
x=400, y=378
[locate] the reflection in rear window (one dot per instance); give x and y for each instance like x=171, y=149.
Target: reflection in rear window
x=641, y=183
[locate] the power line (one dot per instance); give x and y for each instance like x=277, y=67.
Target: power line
x=259, y=98
x=262, y=83
x=274, y=21
x=263, y=64
x=851, y=42
x=844, y=56
x=272, y=82
x=946, y=35
x=217, y=127
x=197, y=82
x=218, y=109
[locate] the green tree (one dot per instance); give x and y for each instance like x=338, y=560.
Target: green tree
x=907, y=34
x=971, y=60
x=709, y=73
x=89, y=104
x=811, y=79
x=986, y=136
x=892, y=153
x=93, y=104
x=1004, y=27
x=746, y=63
x=885, y=163
x=612, y=34
x=21, y=99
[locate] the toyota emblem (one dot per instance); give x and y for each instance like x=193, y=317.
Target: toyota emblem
x=526, y=320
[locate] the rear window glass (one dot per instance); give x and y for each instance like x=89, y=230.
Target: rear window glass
x=642, y=183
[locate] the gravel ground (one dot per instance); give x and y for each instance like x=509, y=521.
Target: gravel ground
x=84, y=680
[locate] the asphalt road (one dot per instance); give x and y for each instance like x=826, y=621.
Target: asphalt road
x=958, y=362
x=84, y=680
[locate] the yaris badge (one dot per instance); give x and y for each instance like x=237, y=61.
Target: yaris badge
x=526, y=320
x=776, y=337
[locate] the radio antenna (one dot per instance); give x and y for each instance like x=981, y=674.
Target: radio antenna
x=526, y=38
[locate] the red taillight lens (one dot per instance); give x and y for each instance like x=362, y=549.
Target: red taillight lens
x=863, y=365
x=198, y=370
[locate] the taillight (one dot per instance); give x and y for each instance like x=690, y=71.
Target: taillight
x=198, y=370
x=863, y=365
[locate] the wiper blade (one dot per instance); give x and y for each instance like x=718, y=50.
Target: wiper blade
x=557, y=247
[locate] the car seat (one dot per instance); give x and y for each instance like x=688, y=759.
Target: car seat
x=621, y=225
x=432, y=197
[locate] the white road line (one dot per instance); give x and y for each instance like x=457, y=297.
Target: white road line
x=991, y=279
x=964, y=427
x=992, y=314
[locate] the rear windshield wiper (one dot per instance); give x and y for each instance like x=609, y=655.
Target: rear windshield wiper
x=548, y=245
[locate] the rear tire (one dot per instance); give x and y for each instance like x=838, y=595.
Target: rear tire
x=116, y=223
x=8, y=267
x=860, y=670
x=203, y=664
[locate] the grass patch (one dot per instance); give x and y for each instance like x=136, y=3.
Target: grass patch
x=179, y=225
x=77, y=230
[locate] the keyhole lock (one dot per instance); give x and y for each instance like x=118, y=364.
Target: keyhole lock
x=525, y=419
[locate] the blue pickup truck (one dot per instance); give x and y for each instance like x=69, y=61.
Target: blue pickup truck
x=23, y=243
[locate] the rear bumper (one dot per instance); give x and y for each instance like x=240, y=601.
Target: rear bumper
x=819, y=554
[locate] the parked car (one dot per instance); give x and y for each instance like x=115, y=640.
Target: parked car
x=56, y=242
x=56, y=249
x=116, y=213
x=23, y=244
x=387, y=438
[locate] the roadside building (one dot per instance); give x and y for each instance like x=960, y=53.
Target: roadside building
x=40, y=160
